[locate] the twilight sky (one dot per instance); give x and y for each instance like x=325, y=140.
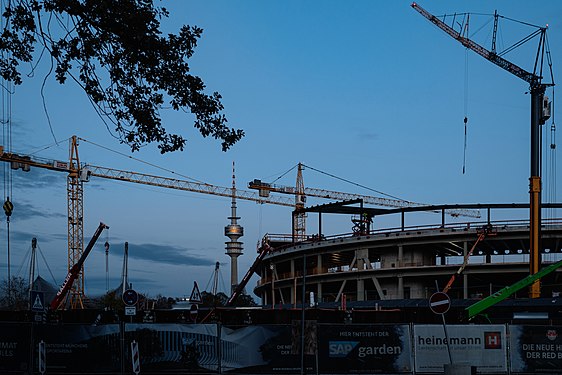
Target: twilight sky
x=368, y=91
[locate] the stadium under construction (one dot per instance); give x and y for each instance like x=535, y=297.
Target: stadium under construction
x=401, y=266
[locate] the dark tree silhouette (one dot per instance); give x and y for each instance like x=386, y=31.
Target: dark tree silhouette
x=115, y=51
x=213, y=300
x=14, y=295
x=245, y=300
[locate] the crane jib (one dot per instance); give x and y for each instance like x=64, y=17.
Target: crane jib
x=490, y=56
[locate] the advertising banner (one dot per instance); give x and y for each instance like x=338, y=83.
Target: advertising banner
x=535, y=349
x=270, y=349
x=174, y=347
x=483, y=346
x=14, y=347
x=355, y=349
x=71, y=348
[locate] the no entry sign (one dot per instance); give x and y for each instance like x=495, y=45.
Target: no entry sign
x=439, y=303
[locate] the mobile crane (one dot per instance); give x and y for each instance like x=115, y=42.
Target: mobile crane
x=262, y=252
x=73, y=273
x=486, y=231
x=540, y=112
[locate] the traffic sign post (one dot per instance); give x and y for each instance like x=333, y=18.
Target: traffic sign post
x=37, y=299
x=195, y=296
x=130, y=297
x=193, y=312
x=42, y=358
x=130, y=310
x=135, y=357
x=439, y=303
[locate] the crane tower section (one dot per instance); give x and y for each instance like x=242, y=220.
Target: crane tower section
x=540, y=112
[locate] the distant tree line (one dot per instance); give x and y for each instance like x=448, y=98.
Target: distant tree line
x=14, y=295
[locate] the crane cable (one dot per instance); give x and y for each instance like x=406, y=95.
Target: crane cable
x=141, y=161
x=7, y=91
x=551, y=159
x=354, y=183
x=106, y=247
x=465, y=120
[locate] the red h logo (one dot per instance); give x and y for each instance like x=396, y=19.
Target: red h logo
x=492, y=340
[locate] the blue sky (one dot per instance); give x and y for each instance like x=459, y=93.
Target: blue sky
x=367, y=91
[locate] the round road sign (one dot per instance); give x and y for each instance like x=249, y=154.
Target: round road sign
x=193, y=311
x=130, y=297
x=439, y=303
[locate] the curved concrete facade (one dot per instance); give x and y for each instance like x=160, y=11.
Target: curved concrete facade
x=406, y=263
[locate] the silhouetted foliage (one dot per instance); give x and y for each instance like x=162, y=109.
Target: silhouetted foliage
x=244, y=300
x=213, y=300
x=115, y=51
x=14, y=295
x=112, y=301
x=164, y=302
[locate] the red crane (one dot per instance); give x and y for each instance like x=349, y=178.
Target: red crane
x=74, y=271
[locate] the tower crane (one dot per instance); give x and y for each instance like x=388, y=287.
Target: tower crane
x=300, y=192
x=79, y=173
x=540, y=112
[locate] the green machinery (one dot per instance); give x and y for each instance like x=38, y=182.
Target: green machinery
x=504, y=293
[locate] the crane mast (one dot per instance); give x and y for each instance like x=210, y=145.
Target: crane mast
x=78, y=174
x=75, y=206
x=540, y=112
x=299, y=216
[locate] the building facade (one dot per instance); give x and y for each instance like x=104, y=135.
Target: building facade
x=407, y=262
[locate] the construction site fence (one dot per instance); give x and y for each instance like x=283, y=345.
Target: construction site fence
x=32, y=348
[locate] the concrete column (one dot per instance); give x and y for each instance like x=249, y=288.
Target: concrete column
x=361, y=256
x=360, y=290
x=400, y=256
x=272, y=286
x=293, y=268
x=294, y=292
x=293, y=289
x=319, y=270
x=400, y=287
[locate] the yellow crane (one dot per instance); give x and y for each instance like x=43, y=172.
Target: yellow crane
x=540, y=112
x=300, y=192
x=79, y=173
